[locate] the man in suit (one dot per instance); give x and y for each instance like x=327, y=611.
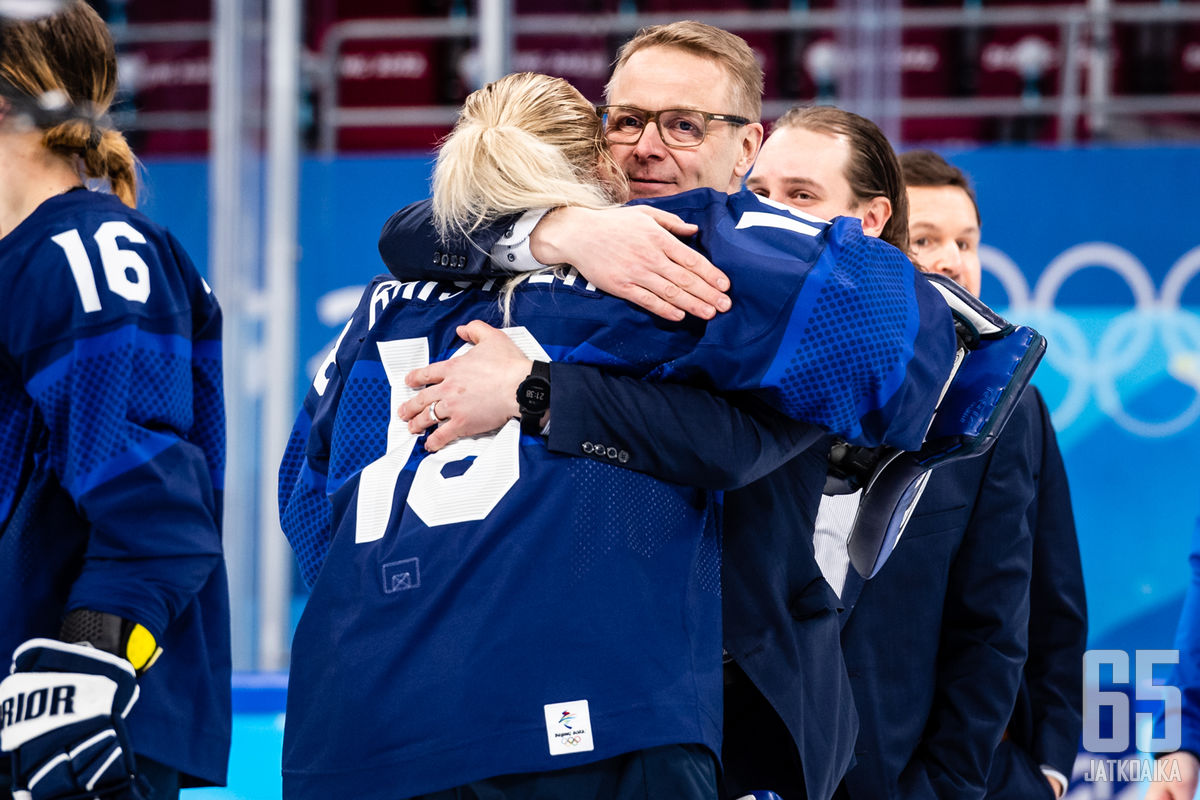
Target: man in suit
x=934, y=643
x=1042, y=737
x=780, y=618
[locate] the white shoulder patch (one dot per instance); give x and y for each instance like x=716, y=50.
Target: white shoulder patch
x=761, y=219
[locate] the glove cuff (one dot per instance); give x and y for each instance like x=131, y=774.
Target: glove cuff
x=112, y=634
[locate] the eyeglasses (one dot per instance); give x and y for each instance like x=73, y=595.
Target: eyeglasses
x=677, y=127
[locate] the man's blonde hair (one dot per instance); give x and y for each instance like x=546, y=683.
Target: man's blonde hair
x=524, y=141
x=729, y=50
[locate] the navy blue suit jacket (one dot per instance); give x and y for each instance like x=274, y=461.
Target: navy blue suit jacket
x=781, y=624
x=1048, y=718
x=780, y=617
x=935, y=643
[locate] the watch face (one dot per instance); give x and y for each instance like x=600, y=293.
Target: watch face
x=534, y=395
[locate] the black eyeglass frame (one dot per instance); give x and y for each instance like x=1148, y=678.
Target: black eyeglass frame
x=652, y=116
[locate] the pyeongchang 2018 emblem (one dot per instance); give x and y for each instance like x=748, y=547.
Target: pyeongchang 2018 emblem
x=569, y=727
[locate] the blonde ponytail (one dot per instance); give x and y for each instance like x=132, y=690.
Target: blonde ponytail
x=525, y=141
x=102, y=152
x=116, y=162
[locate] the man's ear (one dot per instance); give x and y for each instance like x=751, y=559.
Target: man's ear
x=876, y=213
x=751, y=140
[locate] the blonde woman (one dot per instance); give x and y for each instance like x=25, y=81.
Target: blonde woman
x=111, y=449
x=493, y=620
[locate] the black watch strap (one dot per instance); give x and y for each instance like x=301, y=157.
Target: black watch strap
x=533, y=398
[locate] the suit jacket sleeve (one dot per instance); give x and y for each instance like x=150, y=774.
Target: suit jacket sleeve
x=412, y=249
x=1058, y=614
x=984, y=629
x=673, y=432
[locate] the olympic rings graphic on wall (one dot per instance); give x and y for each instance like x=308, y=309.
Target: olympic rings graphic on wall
x=1095, y=365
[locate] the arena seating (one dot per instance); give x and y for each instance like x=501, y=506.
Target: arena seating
x=1019, y=63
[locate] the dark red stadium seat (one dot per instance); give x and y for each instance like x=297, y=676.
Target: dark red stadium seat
x=1156, y=58
x=176, y=11
x=930, y=63
x=1186, y=66
x=1004, y=53
x=559, y=7
x=320, y=14
x=682, y=6
x=585, y=61
x=766, y=47
x=390, y=73
x=165, y=77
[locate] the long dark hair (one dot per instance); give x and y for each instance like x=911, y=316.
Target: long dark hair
x=873, y=169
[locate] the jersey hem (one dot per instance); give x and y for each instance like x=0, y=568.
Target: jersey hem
x=488, y=757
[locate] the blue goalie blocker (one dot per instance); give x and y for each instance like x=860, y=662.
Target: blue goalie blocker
x=997, y=361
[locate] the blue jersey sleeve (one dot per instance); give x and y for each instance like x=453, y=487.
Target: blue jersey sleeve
x=831, y=326
x=853, y=339
x=305, y=512
x=115, y=340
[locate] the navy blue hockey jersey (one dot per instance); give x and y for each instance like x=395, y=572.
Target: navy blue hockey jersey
x=112, y=440
x=495, y=608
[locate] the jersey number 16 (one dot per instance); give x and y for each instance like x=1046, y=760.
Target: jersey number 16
x=124, y=270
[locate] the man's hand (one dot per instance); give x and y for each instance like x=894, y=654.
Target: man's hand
x=63, y=712
x=1182, y=789
x=632, y=253
x=475, y=392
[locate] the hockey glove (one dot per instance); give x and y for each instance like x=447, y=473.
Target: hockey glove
x=62, y=722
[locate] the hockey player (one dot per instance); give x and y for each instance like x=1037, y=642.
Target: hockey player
x=496, y=620
x=114, y=600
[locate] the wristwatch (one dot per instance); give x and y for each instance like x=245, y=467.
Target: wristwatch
x=533, y=397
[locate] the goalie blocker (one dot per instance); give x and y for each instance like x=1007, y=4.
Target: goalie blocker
x=996, y=361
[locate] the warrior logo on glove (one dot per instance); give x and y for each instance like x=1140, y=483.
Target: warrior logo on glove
x=51, y=700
